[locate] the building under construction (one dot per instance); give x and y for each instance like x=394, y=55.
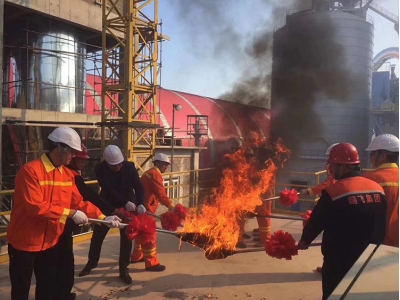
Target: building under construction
x=94, y=65
x=91, y=67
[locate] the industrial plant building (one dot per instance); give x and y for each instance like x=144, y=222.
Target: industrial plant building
x=324, y=91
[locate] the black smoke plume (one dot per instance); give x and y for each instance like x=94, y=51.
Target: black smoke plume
x=308, y=65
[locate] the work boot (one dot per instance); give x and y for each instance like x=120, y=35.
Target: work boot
x=126, y=278
x=256, y=233
x=256, y=230
x=156, y=268
x=86, y=270
x=241, y=245
x=137, y=261
x=246, y=236
x=72, y=296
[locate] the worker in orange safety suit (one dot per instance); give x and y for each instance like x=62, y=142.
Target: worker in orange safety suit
x=384, y=153
x=351, y=213
x=318, y=188
x=251, y=159
x=45, y=197
x=154, y=193
x=263, y=232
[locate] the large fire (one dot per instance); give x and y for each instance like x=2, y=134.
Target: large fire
x=245, y=178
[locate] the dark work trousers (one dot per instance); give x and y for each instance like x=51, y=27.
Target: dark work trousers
x=23, y=264
x=99, y=233
x=333, y=271
x=66, y=262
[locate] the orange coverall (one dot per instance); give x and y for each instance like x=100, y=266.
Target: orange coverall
x=43, y=198
x=318, y=189
x=154, y=189
x=264, y=224
x=387, y=176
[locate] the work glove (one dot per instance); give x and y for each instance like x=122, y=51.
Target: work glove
x=141, y=209
x=79, y=218
x=302, y=245
x=130, y=206
x=114, y=222
x=304, y=192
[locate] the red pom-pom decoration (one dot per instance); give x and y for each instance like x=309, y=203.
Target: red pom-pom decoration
x=132, y=230
x=180, y=211
x=146, y=227
x=281, y=245
x=288, y=197
x=170, y=221
x=142, y=225
x=306, y=216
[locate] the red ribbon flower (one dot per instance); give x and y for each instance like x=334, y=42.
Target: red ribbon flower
x=170, y=221
x=281, y=245
x=143, y=226
x=288, y=197
x=180, y=211
x=306, y=216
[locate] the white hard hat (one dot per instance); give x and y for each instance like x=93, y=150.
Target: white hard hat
x=113, y=155
x=385, y=141
x=66, y=136
x=161, y=157
x=330, y=148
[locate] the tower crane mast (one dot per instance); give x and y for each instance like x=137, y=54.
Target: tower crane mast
x=130, y=70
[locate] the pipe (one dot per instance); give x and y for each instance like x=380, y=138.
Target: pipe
x=104, y=222
x=157, y=216
x=260, y=249
x=275, y=217
x=177, y=234
x=273, y=198
x=153, y=215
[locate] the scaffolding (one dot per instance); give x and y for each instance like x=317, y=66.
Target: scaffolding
x=129, y=76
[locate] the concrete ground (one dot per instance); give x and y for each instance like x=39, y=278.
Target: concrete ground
x=189, y=275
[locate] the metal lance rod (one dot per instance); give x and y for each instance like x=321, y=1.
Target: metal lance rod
x=105, y=222
x=156, y=216
x=153, y=215
x=273, y=198
x=177, y=234
x=262, y=249
x=252, y=215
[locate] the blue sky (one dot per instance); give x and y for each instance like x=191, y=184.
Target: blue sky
x=208, y=61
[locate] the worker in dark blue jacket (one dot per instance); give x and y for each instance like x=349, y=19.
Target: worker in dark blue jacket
x=121, y=187
x=351, y=213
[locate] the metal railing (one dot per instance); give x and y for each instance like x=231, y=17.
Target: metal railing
x=384, y=108
x=194, y=186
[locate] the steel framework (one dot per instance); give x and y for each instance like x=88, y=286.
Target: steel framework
x=130, y=70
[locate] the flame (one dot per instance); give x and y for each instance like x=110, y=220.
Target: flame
x=242, y=184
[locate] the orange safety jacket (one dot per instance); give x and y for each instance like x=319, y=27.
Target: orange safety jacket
x=154, y=190
x=318, y=189
x=43, y=198
x=387, y=176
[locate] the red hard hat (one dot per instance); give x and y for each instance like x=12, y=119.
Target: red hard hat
x=344, y=153
x=82, y=154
